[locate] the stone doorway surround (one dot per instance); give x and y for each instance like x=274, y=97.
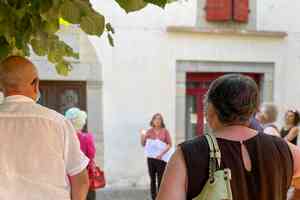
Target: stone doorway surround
x=185, y=66
x=87, y=69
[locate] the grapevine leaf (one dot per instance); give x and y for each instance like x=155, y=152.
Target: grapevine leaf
x=93, y=24
x=160, y=3
x=131, y=5
x=70, y=12
x=4, y=48
x=63, y=68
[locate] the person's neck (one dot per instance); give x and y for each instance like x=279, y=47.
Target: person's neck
x=235, y=132
x=14, y=93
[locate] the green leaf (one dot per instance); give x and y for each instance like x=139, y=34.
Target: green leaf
x=34, y=23
x=93, y=24
x=26, y=50
x=45, y=5
x=160, y=3
x=131, y=5
x=51, y=14
x=5, y=30
x=20, y=13
x=41, y=6
x=63, y=68
x=110, y=40
x=84, y=6
x=70, y=12
x=3, y=12
x=51, y=26
x=38, y=47
x=56, y=3
x=19, y=41
x=55, y=55
x=4, y=48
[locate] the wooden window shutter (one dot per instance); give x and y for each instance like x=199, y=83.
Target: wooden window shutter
x=218, y=10
x=241, y=10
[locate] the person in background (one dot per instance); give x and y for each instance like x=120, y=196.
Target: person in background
x=40, y=155
x=255, y=124
x=267, y=117
x=87, y=142
x=156, y=166
x=290, y=130
x=262, y=166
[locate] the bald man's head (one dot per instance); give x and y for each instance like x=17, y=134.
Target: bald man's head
x=18, y=75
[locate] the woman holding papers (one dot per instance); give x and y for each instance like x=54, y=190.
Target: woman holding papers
x=157, y=143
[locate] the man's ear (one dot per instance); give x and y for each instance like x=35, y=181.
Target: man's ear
x=37, y=86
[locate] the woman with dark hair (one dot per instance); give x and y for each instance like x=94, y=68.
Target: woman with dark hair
x=290, y=130
x=261, y=165
x=156, y=166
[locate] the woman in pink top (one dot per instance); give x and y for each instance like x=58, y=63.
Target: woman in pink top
x=156, y=166
x=87, y=141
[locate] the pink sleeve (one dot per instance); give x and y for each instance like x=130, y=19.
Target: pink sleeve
x=147, y=135
x=168, y=138
x=90, y=146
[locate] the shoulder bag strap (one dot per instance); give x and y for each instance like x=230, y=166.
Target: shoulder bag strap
x=214, y=154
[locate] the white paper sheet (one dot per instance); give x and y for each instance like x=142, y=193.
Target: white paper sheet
x=154, y=148
x=168, y=155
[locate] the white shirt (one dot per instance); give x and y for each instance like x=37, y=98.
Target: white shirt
x=39, y=149
x=270, y=130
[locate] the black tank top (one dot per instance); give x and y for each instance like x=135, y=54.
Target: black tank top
x=284, y=132
x=269, y=179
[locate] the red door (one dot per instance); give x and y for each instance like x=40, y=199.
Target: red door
x=199, y=94
x=197, y=86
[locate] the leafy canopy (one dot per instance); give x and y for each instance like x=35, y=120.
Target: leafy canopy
x=33, y=24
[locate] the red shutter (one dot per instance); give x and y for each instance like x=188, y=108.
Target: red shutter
x=218, y=10
x=241, y=10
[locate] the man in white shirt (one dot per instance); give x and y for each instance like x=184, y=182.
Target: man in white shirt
x=40, y=157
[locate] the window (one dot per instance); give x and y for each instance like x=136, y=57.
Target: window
x=241, y=10
x=227, y=10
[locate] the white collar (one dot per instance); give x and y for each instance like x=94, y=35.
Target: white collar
x=18, y=99
x=268, y=124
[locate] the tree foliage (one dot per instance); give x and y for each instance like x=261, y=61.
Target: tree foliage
x=33, y=24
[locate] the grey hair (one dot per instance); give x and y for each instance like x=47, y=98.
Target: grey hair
x=270, y=110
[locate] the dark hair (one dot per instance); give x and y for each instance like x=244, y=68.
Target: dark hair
x=235, y=98
x=296, y=116
x=162, y=120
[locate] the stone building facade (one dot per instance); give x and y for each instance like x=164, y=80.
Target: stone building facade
x=163, y=61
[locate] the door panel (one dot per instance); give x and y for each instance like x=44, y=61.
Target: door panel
x=197, y=86
x=191, y=116
x=61, y=95
x=200, y=111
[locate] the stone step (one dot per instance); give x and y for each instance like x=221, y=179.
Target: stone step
x=123, y=194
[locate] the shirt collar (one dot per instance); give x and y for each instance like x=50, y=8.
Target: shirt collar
x=267, y=125
x=18, y=99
